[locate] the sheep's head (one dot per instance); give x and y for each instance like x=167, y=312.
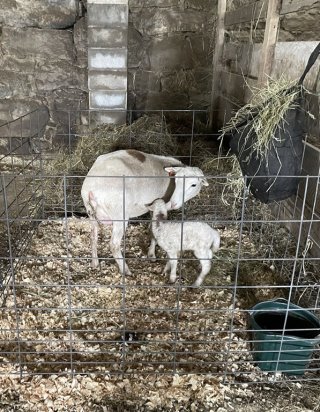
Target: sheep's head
x=189, y=181
x=159, y=209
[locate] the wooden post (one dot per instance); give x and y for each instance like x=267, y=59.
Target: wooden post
x=269, y=41
x=217, y=57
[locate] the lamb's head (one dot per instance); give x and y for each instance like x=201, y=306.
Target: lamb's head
x=159, y=209
x=189, y=181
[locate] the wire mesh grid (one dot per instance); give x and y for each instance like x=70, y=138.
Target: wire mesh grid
x=62, y=317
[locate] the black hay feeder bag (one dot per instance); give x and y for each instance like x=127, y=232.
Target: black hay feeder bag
x=275, y=175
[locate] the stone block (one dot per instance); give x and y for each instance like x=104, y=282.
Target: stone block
x=56, y=76
x=39, y=13
x=156, y=21
x=171, y=53
x=105, y=99
x=100, y=37
x=201, y=49
x=136, y=47
x=108, y=80
x=36, y=116
x=13, y=84
x=107, y=15
x=80, y=41
x=204, y=5
x=50, y=45
x=107, y=116
x=162, y=101
x=107, y=59
x=143, y=80
x=154, y=3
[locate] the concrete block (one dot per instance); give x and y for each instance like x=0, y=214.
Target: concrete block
x=107, y=58
x=99, y=37
x=107, y=116
x=106, y=99
x=108, y=80
x=107, y=15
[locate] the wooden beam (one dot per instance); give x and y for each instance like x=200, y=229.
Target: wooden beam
x=237, y=57
x=217, y=58
x=269, y=41
x=258, y=10
x=253, y=11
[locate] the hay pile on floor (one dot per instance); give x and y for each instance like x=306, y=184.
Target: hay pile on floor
x=150, y=134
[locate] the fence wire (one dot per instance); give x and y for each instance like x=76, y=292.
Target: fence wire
x=60, y=316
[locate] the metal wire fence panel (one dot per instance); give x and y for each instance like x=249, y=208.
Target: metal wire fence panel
x=61, y=316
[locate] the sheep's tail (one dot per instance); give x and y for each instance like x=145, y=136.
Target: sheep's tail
x=215, y=242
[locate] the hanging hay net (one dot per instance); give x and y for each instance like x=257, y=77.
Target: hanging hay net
x=265, y=113
x=260, y=121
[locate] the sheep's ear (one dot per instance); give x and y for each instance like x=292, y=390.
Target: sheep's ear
x=204, y=181
x=171, y=170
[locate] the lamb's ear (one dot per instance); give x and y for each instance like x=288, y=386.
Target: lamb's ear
x=204, y=181
x=149, y=206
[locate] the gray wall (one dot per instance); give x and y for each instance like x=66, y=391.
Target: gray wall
x=170, y=53
x=42, y=56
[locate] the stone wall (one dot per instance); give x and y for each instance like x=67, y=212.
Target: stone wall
x=43, y=55
x=170, y=53
x=43, y=59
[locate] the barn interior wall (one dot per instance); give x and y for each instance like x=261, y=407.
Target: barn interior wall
x=43, y=57
x=44, y=62
x=170, y=53
x=297, y=36
x=298, y=33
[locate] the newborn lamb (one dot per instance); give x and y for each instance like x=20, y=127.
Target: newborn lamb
x=196, y=236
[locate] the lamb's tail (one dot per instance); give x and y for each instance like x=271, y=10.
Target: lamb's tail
x=215, y=242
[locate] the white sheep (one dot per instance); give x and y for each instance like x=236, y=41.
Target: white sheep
x=119, y=184
x=174, y=237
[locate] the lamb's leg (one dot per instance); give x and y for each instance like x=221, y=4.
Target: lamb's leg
x=205, y=257
x=152, y=249
x=94, y=242
x=167, y=268
x=118, y=231
x=173, y=261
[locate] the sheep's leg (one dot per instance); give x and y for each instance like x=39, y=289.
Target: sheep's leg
x=118, y=231
x=94, y=242
x=173, y=261
x=205, y=257
x=152, y=249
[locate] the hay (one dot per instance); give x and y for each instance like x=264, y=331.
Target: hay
x=264, y=113
x=150, y=134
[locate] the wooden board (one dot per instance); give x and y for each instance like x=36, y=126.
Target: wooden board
x=258, y=10
x=253, y=11
x=291, y=211
x=269, y=41
x=217, y=59
x=237, y=57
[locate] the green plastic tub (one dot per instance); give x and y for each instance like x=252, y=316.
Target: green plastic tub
x=284, y=336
